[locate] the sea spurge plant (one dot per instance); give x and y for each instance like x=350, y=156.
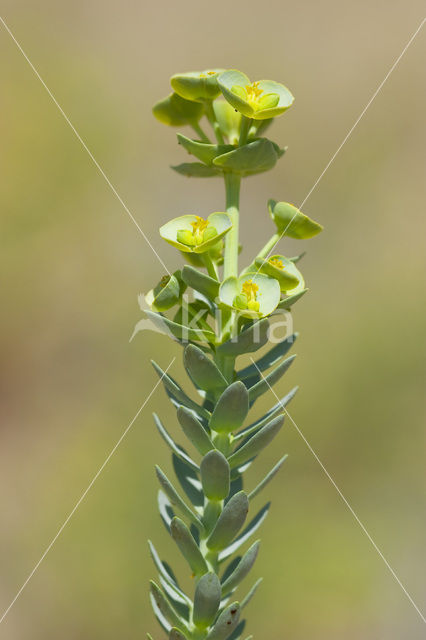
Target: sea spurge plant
x=220, y=312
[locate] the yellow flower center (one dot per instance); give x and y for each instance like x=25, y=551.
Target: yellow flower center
x=276, y=262
x=198, y=228
x=250, y=289
x=253, y=91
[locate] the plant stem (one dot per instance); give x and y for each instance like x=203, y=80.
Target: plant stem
x=211, y=269
x=269, y=246
x=244, y=130
x=232, y=186
x=198, y=130
x=214, y=123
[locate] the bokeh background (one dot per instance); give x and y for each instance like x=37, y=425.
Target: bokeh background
x=73, y=264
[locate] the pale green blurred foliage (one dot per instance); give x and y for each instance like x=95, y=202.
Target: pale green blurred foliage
x=74, y=264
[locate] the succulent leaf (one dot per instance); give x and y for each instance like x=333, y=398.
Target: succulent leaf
x=188, y=546
x=226, y=623
x=231, y=409
x=206, y=600
x=229, y=523
x=215, y=475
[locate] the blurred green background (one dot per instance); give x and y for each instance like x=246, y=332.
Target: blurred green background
x=73, y=264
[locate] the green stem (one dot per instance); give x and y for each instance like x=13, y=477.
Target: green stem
x=232, y=186
x=244, y=130
x=198, y=130
x=210, y=266
x=263, y=253
x=214, y=123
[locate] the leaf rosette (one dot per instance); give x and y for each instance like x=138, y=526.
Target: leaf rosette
x=193, y=234
x=259, y=100
x=253, y=295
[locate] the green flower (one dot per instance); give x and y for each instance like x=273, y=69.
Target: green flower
x=290, y=221
x=176, y=111
x=253, y=295
x=197, y=85
x=259, y=100
x=166, y=293
x=282, y=269
x=194, y=234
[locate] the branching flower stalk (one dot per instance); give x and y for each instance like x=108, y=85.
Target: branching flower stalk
x=218, y=313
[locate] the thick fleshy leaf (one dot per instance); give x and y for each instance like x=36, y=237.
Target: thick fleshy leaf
x=274, y=355
x=251, y=289
x=196, y=85
x=242, y=569
x=280, y=268
x=188, y=547
x=203, y=372
x=229, y=120
x=197, y=170
x=261, y=100
x=289, y=301
x=188, y=480
x=290, y=221
x=200, y=282
x=246, y=534
x=166, y=510
x=256, y=443
x=251, y=338
x=260, y=422
x=194, y=430
x=165, y=607
x=218, y=221
x=177, y=391
x=226, y=623
x=176, y=111
x=166, y=574
x=215, y=475
x=206, y=600
x=229, y=523
x=254, y=157
x=267, y=479
x=237, y=634
x=202, y=150
x=177, y=449
x=162, y=620
x=270, y=379
x=251, y=593
x=179, y=331
x=181, y=605
x=175, y=498
x=231, y=409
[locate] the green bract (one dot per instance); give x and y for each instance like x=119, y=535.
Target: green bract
x=196, y=85
x=217, y=314
x=259, y=100
x=282, y=269
x=192, y=233
x=292, y=222
x=228, y=119
x=253, y=294
x=167, y=292
x=175, y=111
